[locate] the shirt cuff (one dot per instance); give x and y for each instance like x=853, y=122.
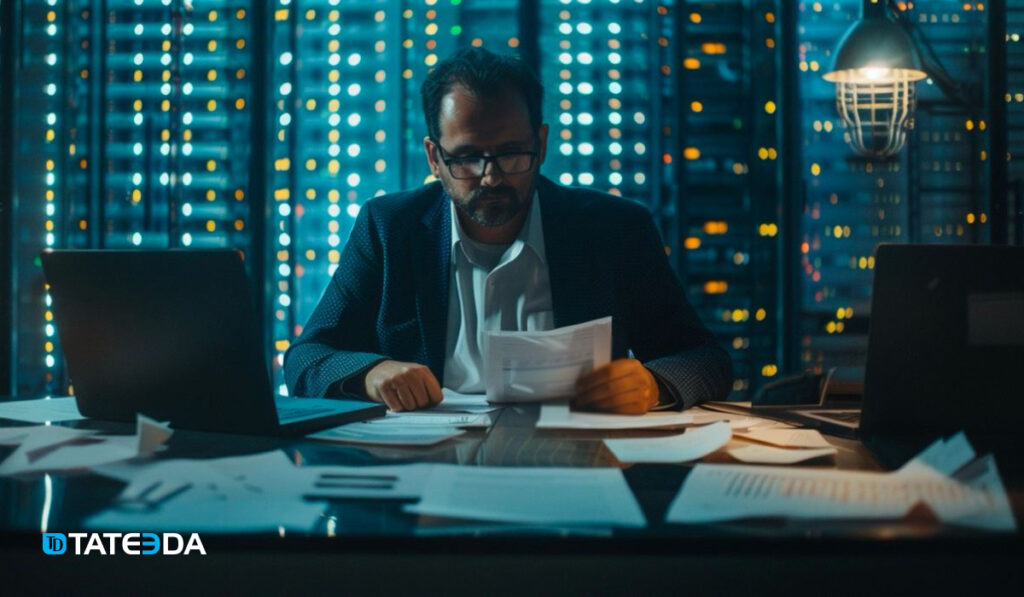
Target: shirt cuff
x=667, y=399
x=353, y=385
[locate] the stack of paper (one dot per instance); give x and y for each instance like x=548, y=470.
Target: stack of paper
x=974, y=496
x=389, y=435
x=428, y=418
x=557, y=415
x=454, y=402
x=414, y=428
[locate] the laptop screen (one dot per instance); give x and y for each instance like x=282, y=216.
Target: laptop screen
x=946, y=339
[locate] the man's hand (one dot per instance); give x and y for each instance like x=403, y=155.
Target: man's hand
x=402, y=386
x=622, y=386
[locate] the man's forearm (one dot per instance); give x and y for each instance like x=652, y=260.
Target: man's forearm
x=695, y=375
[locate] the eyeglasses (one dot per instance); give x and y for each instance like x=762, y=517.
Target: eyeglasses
x=474, y=166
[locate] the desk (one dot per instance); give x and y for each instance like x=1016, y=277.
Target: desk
x=373, y=540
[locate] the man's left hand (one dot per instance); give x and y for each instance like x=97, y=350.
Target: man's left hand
x=623, y=386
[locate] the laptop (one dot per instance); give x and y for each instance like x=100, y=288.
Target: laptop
x=945, y=347
x=173, y=335
x=830, y=400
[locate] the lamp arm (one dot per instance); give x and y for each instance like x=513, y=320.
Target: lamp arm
x=961, y=93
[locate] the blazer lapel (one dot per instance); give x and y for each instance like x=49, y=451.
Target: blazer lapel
x=431, y=263
x=567, y=264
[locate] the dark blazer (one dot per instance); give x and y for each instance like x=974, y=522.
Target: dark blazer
x=388, y=298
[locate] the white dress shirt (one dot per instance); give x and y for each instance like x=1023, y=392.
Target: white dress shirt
x=492, y=288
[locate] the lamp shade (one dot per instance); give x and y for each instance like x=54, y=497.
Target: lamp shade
x=875, y=72
x=873, y=48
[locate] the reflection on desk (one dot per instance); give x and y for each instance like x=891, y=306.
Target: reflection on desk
x=83, y=500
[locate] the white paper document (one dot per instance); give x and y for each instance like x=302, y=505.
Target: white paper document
x=257, y=493
x=455, y=402
x=41, y=410
x=533, y=366
x=36, y=436
x=696, y=443
x=943, y=456
x=559, y=416
x=974, y=497
x=787, y=438
x=740, y=422
x=228, y=512
x=403, y=481
x=47, y=449
x=757, y=454
x=390, y=435
x=568, y=496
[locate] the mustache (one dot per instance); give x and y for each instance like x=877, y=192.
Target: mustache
x=495, y=192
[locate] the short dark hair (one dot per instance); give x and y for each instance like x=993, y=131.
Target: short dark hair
x=485, y=74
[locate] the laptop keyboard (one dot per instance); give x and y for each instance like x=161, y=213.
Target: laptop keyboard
x=846, y=417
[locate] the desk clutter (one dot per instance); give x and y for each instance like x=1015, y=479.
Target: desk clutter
x=269, y=491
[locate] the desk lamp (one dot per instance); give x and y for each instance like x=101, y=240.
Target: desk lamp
x=875, y=71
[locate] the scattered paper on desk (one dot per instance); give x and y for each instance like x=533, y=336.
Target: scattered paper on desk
x=738, y=421
x=570, y=496
x=402, y=481
x=390, y=435
x=264, y=473
x=49, y=450
x=756, y=454
x=256, y=493
x=559, y=416
x=41, y=410
x=426, y=418
x=787, y=438
x=34, y=437
x=943, y=456
x=975, y=497
x=533, y=366
x=696, y=443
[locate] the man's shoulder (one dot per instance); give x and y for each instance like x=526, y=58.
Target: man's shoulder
x=597, y=204
x=404, y=206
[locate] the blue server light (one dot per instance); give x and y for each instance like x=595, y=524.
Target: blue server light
x=1014, y=98
x=926, y=194
x=347, y=126
x=136, y=129
x=608, y=75
x=730, y=201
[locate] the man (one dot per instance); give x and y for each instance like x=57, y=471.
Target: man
x=495, y=246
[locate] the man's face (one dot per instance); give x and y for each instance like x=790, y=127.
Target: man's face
x=486, y=126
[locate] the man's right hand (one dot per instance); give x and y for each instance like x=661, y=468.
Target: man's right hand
x=402, y=386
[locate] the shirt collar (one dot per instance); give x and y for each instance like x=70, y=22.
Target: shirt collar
x=531, y=234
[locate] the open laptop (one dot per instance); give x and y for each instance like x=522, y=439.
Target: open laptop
x=945, y=343
x=945, y=351
x=172, y=335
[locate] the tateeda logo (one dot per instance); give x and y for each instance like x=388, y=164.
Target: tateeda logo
x=132, y=544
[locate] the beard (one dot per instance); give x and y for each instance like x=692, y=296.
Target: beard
x=490, y=206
